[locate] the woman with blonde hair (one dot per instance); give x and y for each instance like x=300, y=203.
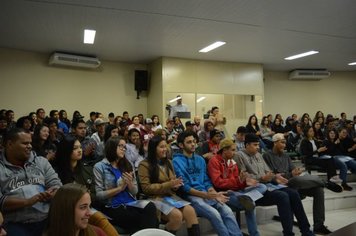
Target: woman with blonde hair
x=69, y=213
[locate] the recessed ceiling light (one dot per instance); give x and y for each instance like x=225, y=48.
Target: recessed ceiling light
x=212, y=46
x=304, y=54
x=352, y=63
x=89, y=36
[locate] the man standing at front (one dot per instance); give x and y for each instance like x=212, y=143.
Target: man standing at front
x=198, y=189
x=179, y=107
x=27, y=183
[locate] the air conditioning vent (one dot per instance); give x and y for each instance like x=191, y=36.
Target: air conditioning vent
x=74, y=60
x=308, y=74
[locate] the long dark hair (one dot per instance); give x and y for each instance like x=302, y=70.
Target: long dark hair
x=111, y=154
x=63, y=159
x=108, y=130
x=153, y=161
x=37, y=146
x=141, y=151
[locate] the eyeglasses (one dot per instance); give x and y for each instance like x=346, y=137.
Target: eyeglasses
x=122, y=146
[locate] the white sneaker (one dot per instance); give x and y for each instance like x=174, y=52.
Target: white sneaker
x=336, y=179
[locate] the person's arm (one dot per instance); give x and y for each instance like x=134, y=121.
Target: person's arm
x=14, y=203
x=101, y=192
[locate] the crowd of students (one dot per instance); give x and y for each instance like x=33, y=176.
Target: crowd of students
x=134, y=173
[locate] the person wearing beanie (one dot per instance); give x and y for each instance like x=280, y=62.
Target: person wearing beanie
x=307, y=185
x=287, y=199
x=225, y=176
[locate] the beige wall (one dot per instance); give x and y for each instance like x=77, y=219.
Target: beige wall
x=332, y=95
x=155, y=95
x=215, y=78
x=27, y=83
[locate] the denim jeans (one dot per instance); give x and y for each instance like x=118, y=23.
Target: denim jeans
x=343, y=166
x=28, y=229
x=250, y=215
x=288, y=202
x=220, y=215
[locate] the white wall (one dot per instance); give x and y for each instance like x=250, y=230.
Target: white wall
x=27, y=83
x=333, y=95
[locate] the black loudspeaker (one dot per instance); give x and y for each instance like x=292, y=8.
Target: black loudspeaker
x=141, y=80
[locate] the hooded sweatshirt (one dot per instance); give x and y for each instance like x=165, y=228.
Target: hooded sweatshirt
x=37, y=175
x=193, y=172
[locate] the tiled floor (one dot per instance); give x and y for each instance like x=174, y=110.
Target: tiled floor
x=335, y=219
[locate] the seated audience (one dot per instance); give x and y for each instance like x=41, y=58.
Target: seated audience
x=135, y=152
x=88, y=144
x=211, y=147
x=312, y=151
x=41, y=143
x=240, y=138
x=266, y=132
x=136, y=124
x=25, y=192
x=155, y=123
x=342, y=160
x=98, y=137
x=158, y=181
x=225, y=176
x=25, y=123
x=116, y=188
x=204, y=135
x=110, y=131
x=70, y=212
x=307, y=185
x=198, y=189
x=71, y=169
x=287, y=199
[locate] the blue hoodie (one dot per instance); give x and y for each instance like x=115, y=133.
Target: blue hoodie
x=193, y=171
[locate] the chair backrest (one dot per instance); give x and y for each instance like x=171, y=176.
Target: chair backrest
x=152, y=232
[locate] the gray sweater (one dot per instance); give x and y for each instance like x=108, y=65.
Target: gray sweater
x=253, y=164
x=279, y=163
x=36, y=176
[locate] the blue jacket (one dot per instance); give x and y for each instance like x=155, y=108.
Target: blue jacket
x=104, y=180
x=193, y=171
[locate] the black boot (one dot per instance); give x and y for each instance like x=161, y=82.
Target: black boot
x=194, y=230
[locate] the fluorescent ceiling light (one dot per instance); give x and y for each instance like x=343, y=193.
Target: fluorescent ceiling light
x=89, y=36
x=352, y=63
x=304, y=54
x=174, y=99
x=200, y=99
x=212, y=46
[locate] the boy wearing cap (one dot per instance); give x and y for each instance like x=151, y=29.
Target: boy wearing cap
x=308, y=185
x=225, y=176
x=198, y=189
x=287, y=199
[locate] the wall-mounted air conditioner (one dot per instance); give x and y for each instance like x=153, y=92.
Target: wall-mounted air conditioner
x=65, y=59
x=309, y=74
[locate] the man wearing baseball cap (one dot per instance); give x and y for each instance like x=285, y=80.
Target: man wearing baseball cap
x=308, y=185
x=225, y=176
x=287, y=199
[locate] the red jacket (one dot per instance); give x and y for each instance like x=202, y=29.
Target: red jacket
x=224, y=176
